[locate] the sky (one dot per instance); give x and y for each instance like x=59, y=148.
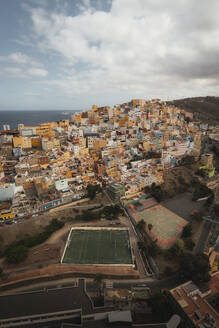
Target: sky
x=71, y=54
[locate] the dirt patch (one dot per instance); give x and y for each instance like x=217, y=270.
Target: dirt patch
x=38, y=256
x=24, y=228
x=177, y=180
x=59, y=269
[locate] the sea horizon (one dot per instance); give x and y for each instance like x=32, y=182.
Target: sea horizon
x=34, y=117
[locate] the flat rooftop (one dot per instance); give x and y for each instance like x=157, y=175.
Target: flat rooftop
x=98, y=246
x=45, y=301
x=194, y=306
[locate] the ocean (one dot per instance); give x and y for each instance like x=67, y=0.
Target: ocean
x=33, y=117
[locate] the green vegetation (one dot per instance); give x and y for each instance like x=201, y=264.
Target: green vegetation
x=215, y=151
x=187, y=160
x=209, y=200
x=18, y=251
x=91, y=214
x=187, y=231
x=216, y=209
x=141, y=225
x=98, y=246
x=17, y=254
x=195, y=267
x=161, y=307
x=189, y=244
x=153, y=250
x=197, y=216
x=203, y=108
x=92, y=190
x=213, y=300
x=156, y=192
x=168, y=271
x=201, y=191
x=150, y=226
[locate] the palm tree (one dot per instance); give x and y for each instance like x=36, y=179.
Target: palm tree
x=150, y=226
x=141, y=225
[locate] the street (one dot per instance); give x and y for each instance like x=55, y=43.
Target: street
x=200, y=247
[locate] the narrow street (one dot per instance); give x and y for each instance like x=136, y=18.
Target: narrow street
x=134, y=242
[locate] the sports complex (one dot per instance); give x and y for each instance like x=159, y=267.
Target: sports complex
x=166, y=225
x=98, y=246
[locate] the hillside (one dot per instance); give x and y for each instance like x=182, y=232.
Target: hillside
x=206, y=108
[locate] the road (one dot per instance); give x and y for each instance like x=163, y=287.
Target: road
x=134, y=243
x=154, y=284
x=200, y=247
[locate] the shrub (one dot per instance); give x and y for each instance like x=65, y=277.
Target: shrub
x=189, y=244
x=18, y=251
x=187, y=231
x=16, y=254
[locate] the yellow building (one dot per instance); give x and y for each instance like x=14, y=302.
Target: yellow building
x=68, y=174
x=6, y=215
x=23, y=142
x=138, y=102
x=56, y=142
x=46, y=129
x=76, y=118
x=82, y=142
x=64, y=123
x=36, y=142
x=83, y=151
x=99, y=143
x=94, y=108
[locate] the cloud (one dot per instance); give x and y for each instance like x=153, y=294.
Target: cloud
x=20, y=58
x=16, y=72
x=144, y=46
x=37, y=72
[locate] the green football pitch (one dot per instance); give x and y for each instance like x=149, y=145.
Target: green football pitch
x=98, y=247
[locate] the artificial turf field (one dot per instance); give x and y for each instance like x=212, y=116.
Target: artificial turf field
x=105, y=246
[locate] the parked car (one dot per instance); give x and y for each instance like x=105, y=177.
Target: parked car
x=9, y=222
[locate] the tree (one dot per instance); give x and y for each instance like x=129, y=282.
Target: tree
x=141, y=245
x=168, y=271
x=152, y=249
x=175, y=250
x=197, y=216
x=187, y=119
x=201, y=191
x=141, y=225
x=17, y=254
x=150, y=226
x=161, y=307
x=209, y=200
x=92, y=190
x=187, y=160
x=195, y=267
x=180, y=244
x=187, y=231
x=189, y=244
x=1, y=244
x=216, y=209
